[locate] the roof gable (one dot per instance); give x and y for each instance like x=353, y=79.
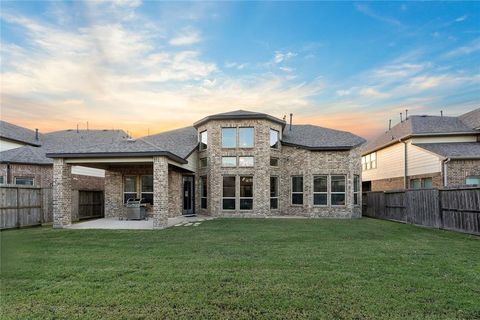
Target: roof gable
x=17, y=133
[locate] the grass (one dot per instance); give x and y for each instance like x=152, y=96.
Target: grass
x=242, y=268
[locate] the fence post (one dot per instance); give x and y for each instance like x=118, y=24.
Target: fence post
x=17, y=208
x=440, y=209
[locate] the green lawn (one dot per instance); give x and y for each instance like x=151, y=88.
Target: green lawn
x=242, y=268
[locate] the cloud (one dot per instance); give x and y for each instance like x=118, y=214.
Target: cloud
x=235, y=65
x=342, y=93
x=372, y=93
x=472, y=47
x=462, y=18
x=366, y=10
x=186, y=38
x=280, y=57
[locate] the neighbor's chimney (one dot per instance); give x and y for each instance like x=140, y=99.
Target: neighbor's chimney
x=36, y=134
x=406, y=114
x=291, y=116
x=389, y=124
x=401, y=117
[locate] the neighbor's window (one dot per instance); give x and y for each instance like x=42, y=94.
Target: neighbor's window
x=415, y=184
x=245, y=137
x=369, y=161
x=129, y=187
x=273, y=192
x=274, y=138
x=427, y=183
x=245, y=161
x=356, y=189
x=246, y=193
x=228, y=200
x=229, y=137
x=203, y=162
x=274, y=162
x=203, y=140
x=1, y=180
x=23, y=181
x=147, y=189
x=203, y=192
x=229, y=161
x=472, y=180
x=320, y=190
x=337, y=190
x=297, y=190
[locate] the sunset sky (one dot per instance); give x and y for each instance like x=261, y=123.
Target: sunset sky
x=155, y=66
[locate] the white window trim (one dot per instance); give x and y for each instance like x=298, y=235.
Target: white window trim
x=326, y=193
x=24, y=177
x=278, y=139
x=200, y=141
x=344, y=192
x=369, y=164
x=296, y=192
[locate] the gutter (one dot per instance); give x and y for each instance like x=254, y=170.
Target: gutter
x=117, y=155
x=445, y=171
x=405, y=164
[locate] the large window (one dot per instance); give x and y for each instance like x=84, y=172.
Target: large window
x=129, y=187
x=229, y=194
x=337, y=190
x=356, y=189
x=472, y=180
x=246, y=137
x=229, y=137
x=203, y=140
x=23, y=181
x=297, y=190
x=320, y=190
x=273, y=192
x=147, y=189
x=203, y=192
x=245, y=161
x=229, y=161
x=246, y=193
x=369, y=161
x=274, y=138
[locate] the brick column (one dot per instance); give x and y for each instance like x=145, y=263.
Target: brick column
x=114, y=195
x=160, y=192
x=62, y=193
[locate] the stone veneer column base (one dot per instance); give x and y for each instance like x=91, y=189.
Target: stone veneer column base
x=62, y=193
x=160, y=192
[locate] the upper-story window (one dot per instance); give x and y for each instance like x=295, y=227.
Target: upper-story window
x=203, y=140
x=229, y=137
x=369, y=161
x=246, y=137
x=23, y=181
x=246, y=161
x=274, y=138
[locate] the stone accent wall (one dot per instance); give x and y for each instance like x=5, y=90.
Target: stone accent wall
x=458, y=170
x=62, y=194
x=292, y=161
x=175, y=196
x=114, y=195
x=160, y=194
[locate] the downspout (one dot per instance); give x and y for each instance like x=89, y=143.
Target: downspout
x=445, y=171
x=405, y=164
x=9, y=174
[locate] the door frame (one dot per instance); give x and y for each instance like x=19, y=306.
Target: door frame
x=192, y=200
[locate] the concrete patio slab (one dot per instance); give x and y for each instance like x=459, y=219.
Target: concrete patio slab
x=115, y=223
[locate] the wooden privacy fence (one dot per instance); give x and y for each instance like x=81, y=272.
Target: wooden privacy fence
x=450, y=209
x=20, y=206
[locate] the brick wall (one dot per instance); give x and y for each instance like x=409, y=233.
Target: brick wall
x=458, y=170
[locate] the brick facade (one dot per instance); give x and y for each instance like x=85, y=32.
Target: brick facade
x=459, y=170
x=62, y=194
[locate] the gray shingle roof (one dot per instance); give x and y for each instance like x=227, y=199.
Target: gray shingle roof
x=318, y=138
x=239, y=114
x=472, y=119
x=180, y=141
x=26, y=155
x=462, y=150
x=17, y=133
x=419, y=125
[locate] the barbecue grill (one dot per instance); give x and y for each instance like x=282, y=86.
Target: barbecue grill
x=135, y=209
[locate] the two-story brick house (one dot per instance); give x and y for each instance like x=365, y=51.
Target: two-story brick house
x=239, y=163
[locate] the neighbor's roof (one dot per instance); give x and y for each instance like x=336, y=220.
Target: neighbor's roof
x=418, y=126
x=60, y=141
x=462, y=150
x=239, y=114
x=471, y=119
x=17, y=133
x=318, y=138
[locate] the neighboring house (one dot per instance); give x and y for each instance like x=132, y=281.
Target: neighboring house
x=424, y=152
x=235, y=164
x=23, y=160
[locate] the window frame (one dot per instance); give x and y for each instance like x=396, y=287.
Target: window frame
x=296, y=192
x=240, y=198
x=356, y=185
x=416, y=180
x=203, y=145
x=369, y=161
x=277, y=183
x=332, y=193
x=234, y=190
x=422, y=182
x=277, y=160
x=277, y=144
x=320, y=192
x=2, y=180
x=141, y=187
x=203, y=192
x=232, y=166
x=129, y=192
x=235, y=129
x=239, y=130
x=200, y=164
x=472, y=177
x=24, y=177
x=242, y=166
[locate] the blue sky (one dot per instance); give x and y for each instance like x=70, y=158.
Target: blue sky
x=160, y=65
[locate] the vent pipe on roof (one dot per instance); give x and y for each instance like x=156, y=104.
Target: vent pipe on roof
x=77, y=128
x=406, y=114
x=36, y=134
x=291, y=116
x=441, y=113
x=401, y=117
x=389, y=124
x=87, y=125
